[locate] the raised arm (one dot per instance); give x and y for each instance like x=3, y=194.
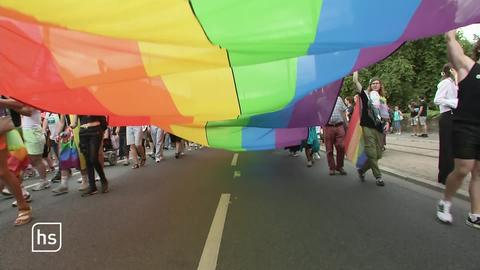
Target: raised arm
x=456, y=56
x=17, y=106
x=45, y=125
x=356, y=82
x=61, y=123
x=74, y=122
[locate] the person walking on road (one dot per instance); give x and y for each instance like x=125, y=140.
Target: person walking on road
x=34, y=141
x=6, y=176
x=397, y=120
x=413, y=107
x=446, y=99
x=422, y=117
x=349, y=111
x=134, y=140
x=334, y=132
x=91, y=134
x=311, y=145
x=158, y=137
x=466, y=132
x=374, y=124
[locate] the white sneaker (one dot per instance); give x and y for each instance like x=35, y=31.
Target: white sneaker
x=309, y=164
x=157, y=160
x=83, y=186
x=6, y=192
x=27, y=197
x=41, y=186
x=316, y=156
x=60, y=189
x=443, y=211
x=473, y=221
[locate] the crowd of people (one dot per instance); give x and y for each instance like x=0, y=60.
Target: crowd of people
x=79, y=141
x=459, y=128
x=69, y=142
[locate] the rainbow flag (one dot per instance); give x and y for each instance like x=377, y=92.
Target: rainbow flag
x=238, y=75
x=17, y=153
x=354, y=143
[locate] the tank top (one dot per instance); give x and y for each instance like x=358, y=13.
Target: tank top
x=33, y=121
x=468, y=109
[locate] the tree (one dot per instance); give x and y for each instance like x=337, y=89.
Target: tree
x=412, y=71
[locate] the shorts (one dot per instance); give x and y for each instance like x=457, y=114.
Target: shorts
x=414, y=121
x=466, y=141
x=423, y=120
x=34, y=140
x=174, y=138
x=134, y=135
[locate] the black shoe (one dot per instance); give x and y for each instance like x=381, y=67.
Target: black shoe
x=342, y=171
x=473, y=223
x=90, y=192
x=177, y=155
x=57, y=177
x=380, y=182
x=361, y=175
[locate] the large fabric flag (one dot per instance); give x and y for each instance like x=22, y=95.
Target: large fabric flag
x=354, y=143
x=239, y=75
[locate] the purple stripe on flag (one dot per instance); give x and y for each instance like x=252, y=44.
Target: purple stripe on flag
x=289, y=136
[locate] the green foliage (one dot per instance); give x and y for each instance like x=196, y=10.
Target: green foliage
x=433, y=114
x=412, y=71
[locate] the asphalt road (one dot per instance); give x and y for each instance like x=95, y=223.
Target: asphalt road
x=282, y=215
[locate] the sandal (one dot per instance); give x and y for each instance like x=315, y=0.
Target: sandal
x=24, y=217
x=135, y=166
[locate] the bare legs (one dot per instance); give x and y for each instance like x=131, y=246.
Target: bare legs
x=455, y=178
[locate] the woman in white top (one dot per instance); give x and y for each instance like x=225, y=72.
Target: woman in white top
x=34, y=142
x=446, y=99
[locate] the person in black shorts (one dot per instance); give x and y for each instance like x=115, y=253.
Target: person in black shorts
x=466, y=132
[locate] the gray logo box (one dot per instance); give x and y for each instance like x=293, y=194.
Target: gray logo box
x=47, y=237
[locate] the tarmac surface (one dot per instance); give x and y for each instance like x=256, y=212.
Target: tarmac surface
x=416, y=159
x=278, y=215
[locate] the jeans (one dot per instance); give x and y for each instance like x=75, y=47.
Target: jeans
x=158, y=137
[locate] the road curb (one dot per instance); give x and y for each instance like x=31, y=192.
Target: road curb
x=461, y=194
